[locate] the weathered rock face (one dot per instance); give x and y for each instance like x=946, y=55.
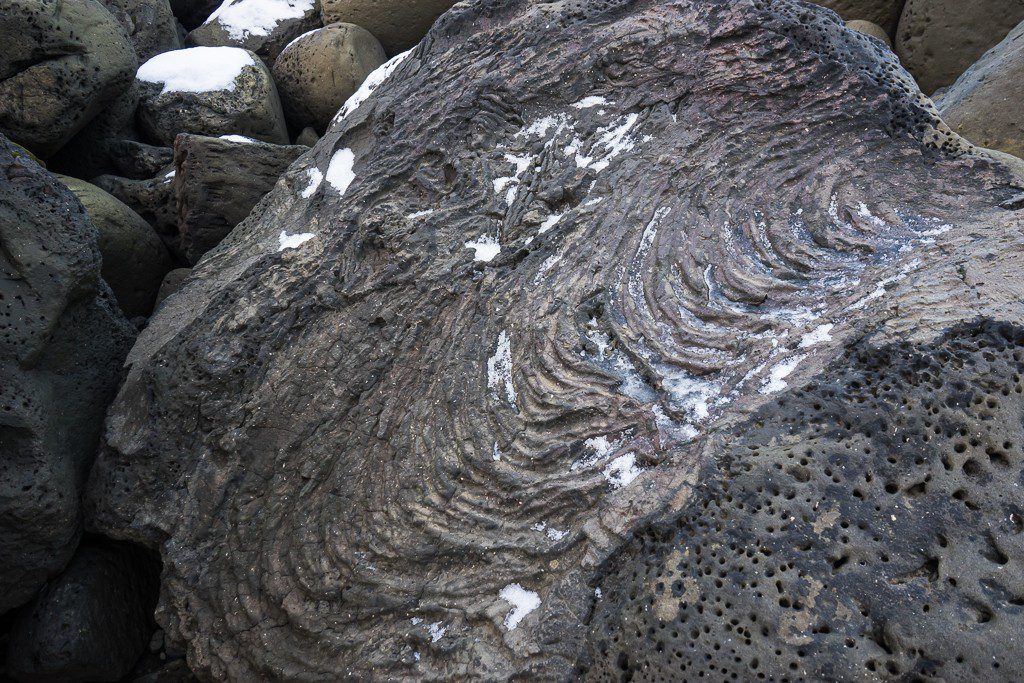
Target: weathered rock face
x=884, y=13
x=62, y=341
x=62, y=62
x=263, y=27
x=395, y=423
x=149, y=23
x=319, y=71
x=939, y=39
x=92, y=151
x=397, y=24
x=153, y=199
x=218, y=182
x=92, y=622
x=985, y=103
x=872, y=29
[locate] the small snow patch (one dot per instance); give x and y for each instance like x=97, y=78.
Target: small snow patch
x=339, y=172
x=420, y=214
x=293, y=241
x=523, y=602
x=196, y=69
x=499, y=368
x=315, y=179
x=437, y=631
x=588, y=102
x=376, y=77
x=549, y=223
x=238, y=138
x=551, y=532
x=817, y=336
x=776, y=378
x=622, y=470
x=242, y=18
x=486, y=248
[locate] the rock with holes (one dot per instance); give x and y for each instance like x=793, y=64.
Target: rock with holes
x=209, y=91
x=217, y=183
x=984, y=104
x=938, y=40
x=884, y=13
x=872, y=29
x=398, y=24
x=319, y=71
x=153, y=199
x=62, y=63
x=62, y=342
x=525, y=292
x=263, y=27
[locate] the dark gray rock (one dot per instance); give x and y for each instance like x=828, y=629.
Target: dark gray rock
x=394, y=425
x=91, y=623
x=212, y=91
x=153, y=199
x=884, y=13
x=149, y=24
x=93, y=151
x=192, y=13
x=62, y=342
x=173, y=281
x=218, y=182
x=62, y=63
x=398, y=24
x=139, y=161
x=257, y=26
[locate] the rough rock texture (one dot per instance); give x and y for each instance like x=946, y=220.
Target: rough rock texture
x=94, y=150
x=92, y=622
x=62, y=62
x=884, y=13
x=397, y=24
x=149, y=23
x=62, y=341
x=250, y=107
x=319, y=71
x=134, y=258
x=260, y=26
x=218, y=182
x=307, y=137
x=139, y=161
x=153, y=199
x=882, y=538
x=938, y=40
x=395, y=423
x=984, y=105
x=872, y=29
x=172, y=283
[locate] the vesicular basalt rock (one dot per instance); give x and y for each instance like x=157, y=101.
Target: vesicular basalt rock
x=396, y=422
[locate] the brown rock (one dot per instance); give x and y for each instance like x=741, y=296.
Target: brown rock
x=884, y=13
x=870, y=28
x=398, y=24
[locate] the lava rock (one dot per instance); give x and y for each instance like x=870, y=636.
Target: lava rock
x=938, y=40
x=263, y=27
x=140, y=161
x=869, y=28
x=153, y=199
x=92, y=622
x=134, y=259
x=884, y=13
x=218, y=182
x=92, y=151
x=209, y=91
x=62, y=343
x=63, y=62
x=172, y=283
x=150, y=25
x=398, y=24
x=395, y=423
x=984, y=105
x=320, y=70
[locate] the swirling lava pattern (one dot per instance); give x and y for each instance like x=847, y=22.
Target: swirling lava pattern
x=557, y=245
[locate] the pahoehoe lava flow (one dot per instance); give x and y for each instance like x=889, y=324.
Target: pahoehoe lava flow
x=496, y=319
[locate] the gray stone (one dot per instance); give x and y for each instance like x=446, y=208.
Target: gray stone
x=92, y=151
x=62, y=343
x=397, y=24
x=140, y=161
x=152, y=198
x=872, y=29
x=252, y=25
x=149, y=23
x=319, y=71
x=307, y=137
x=62, y=63
x=884, y=13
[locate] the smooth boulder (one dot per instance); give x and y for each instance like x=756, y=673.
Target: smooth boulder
x=150, y=25
x=397, y=24
x=62, y=63
x=320, y=70
x=263, y=27
x=938, y=40
x=870, y=28
x=209, y=91
x=985, y=104
x=884, y=13
x=134, y=259
x=217, y=183
x=152, y=198
x=62, y=344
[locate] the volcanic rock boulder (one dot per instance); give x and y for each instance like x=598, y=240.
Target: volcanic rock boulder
x=218, y=182
x=92, y=622
x=153, y=199
x=149, y=23
x=62, y=342
x=396, y=423
x=319, y=71
x=884, y=13
x=984, y=104
x=209, y=91
x=93, y=151
x=938, y=40
x=62, y=62
x=398, y=24
x=263, y=27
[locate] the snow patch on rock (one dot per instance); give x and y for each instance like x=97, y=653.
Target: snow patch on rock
x=523, y=602
x=316, y=177
x=287, y=241
x=339, y=172
x=243, y=18
x=376, y=77
x=196, y=69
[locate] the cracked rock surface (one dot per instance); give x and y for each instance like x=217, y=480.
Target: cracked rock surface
x=400, y=420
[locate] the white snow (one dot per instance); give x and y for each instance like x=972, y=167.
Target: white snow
x=339, y=171
x=776, y=378
x=169, y=174
x=817, y=336
x=196, y=69
x=315, y=179
x=499, y=368
x=614, y=140
x=376, y=77
x=549, y=223
x=486, y=248
x=437, y=631
x=243, y=18
x=238, y=138
x=420, y=214
x=592, y=101
x=294, y=241
x=523, y=602
x=551, y=532
x=622, y=470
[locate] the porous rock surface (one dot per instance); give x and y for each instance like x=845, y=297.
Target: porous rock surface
x=397, y=24
x=263, y=27
x=62, y=342
x=884, y=13
x=62, y=62
x=395, y=423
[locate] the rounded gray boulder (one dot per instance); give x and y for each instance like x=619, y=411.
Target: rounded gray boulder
x=262, y=26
